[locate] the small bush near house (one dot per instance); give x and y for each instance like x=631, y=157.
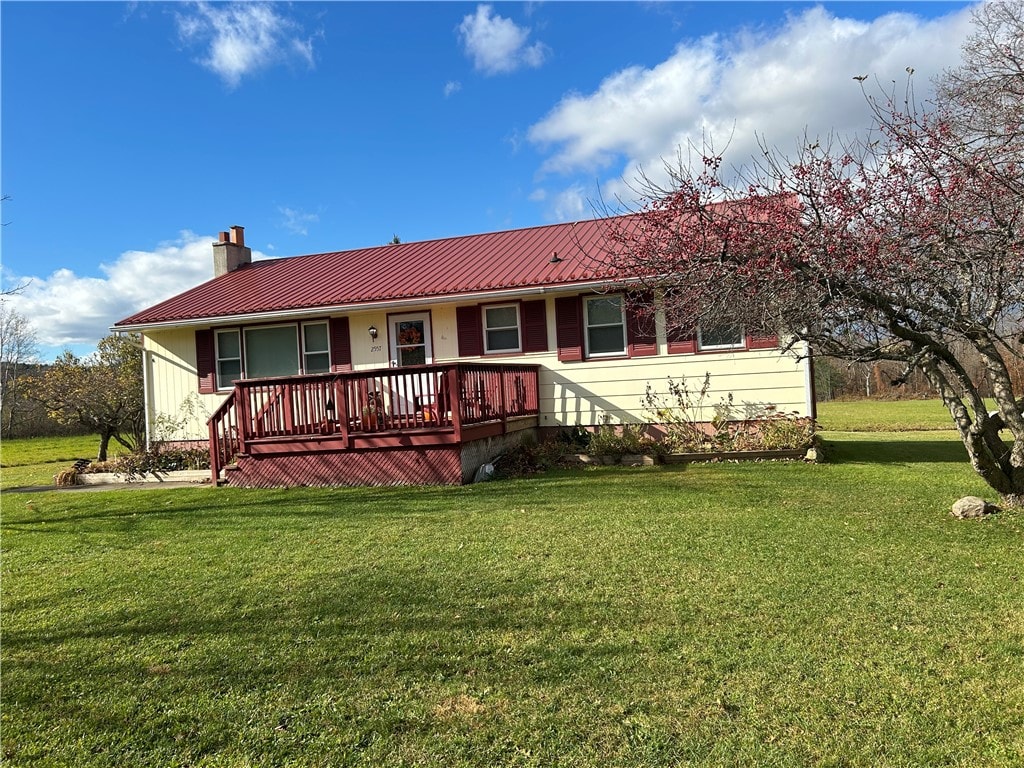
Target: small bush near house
x=683, y=412
x=629, y=439
x=529, y=457
x=772, y=431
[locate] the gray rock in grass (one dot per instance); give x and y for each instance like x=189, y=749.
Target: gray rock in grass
x=972, y=506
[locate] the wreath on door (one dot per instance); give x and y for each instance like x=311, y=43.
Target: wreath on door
x=409, y=335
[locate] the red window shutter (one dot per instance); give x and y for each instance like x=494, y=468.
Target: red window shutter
x=762, y=341
x=640, y=328
x=206, y=364
x=569, y=328
x=470, y=327
x=534, y=316
x=341, y=344
x=680, y=343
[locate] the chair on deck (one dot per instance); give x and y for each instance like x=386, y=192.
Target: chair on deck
x=435, y=409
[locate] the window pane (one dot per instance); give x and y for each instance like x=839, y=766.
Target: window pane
x=606, y=332
x=502, y=317
x=606, y=311
x=508, y=339
x=227, y=372
x=316, y=337
x=606, y=340
x=410, y=332
x=318, y=362
x=721, y=336
x=412, y=355
x=271, y=352
x=227, y=344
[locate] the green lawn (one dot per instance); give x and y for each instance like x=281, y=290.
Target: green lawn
x=883, y=415
x=774, y=614
x=34, y=461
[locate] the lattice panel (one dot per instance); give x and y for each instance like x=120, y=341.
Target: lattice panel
x=410, y=466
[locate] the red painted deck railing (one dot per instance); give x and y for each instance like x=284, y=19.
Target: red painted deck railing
x=428, y=397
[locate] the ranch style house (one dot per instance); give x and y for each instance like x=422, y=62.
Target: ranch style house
x=418, y=362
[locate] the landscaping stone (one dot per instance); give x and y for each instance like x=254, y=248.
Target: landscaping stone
x=972, y=506
x=688, y=458
x=637, y=460
x=643, y=460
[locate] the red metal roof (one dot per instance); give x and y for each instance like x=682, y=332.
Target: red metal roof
x=473, y=264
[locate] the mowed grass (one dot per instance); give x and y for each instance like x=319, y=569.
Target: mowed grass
x=34, y=461
x=774, y=614
x=883, y=415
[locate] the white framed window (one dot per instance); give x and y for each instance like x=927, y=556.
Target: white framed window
x=229, y=358
x=265, y=351
x=720, y=337
x=604, y=321
x=316, y=351
x=501, y=329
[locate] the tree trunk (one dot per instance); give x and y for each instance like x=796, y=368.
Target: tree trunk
x=104, y=442
x=988, y=454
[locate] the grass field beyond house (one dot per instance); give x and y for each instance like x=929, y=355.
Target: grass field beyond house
x=34, y=461
x=883, y=415
x=776, y=614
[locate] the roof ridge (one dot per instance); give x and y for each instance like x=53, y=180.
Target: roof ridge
x=448, y=238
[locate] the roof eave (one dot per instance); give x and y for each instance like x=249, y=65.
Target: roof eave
x=298, y=312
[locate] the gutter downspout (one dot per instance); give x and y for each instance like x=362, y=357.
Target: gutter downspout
x=145, y=383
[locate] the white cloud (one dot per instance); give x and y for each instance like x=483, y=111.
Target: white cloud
x=498, y=45
x=297, y=221
x=242, y=38
x=571, y=205
x=773, y=85
x=70, y=309
x=452, y=87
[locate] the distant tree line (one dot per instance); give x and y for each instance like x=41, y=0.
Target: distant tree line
x=21, y=416
x=99, y=394
x=836, y=379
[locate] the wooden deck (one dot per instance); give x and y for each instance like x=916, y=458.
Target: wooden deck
x=382, y=426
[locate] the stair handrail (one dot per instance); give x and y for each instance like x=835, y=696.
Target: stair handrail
x=226, y=440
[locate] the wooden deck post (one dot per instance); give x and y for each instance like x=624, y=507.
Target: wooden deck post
x=502, y=373
x=214, y=454
x=454, y=387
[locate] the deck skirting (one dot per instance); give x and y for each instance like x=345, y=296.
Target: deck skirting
x=432, y=459
x=391, y=466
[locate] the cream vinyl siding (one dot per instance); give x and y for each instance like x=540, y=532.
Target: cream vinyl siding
x=591, y=392
x=595, y=391
x=588, y=392
x=173, y=387
x=366, y=352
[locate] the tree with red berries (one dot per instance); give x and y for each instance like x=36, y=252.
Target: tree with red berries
x=906, y=245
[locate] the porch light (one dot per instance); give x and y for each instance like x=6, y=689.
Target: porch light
x=330, y=407
x=372, y=330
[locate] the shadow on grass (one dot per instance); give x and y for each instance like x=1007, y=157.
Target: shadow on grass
x=861, y=451
x=58, y=512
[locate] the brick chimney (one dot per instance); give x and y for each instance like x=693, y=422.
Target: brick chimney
x=230, y=252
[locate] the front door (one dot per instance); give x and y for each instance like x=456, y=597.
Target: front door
x=410, y=340
x=410, y=345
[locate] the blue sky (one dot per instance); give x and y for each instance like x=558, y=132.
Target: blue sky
x=132, y=133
